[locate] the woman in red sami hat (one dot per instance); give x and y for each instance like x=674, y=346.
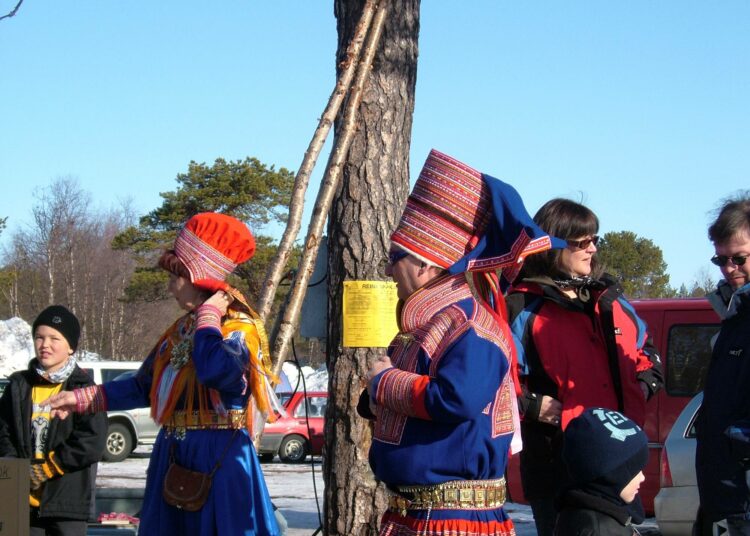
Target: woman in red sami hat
x=208, y=382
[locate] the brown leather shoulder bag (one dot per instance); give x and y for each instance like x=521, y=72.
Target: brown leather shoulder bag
x=185, y=489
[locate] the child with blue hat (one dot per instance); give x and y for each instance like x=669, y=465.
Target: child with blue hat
x=605, y=453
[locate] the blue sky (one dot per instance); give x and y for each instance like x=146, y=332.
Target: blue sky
x=639, y=109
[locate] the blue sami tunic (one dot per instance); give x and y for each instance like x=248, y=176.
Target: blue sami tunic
x=238, y=503
x=444, y=412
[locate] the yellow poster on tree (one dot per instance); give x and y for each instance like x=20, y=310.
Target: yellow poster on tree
x=369, y=313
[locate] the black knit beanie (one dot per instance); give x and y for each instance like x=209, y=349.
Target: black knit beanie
x=61, y=319
x=605, y=446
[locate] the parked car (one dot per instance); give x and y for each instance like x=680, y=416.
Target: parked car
x=298, y=433
x=681, y=329
x=127, y=429
x=676, y=504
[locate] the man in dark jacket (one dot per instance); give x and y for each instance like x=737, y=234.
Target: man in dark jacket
x=63, y=453
x=722, y=456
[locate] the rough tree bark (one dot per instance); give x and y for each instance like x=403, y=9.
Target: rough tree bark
x=366, y=208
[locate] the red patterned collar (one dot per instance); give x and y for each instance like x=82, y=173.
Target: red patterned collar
x=426, y=302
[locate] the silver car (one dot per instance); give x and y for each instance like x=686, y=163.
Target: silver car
x=126, y=429
x=676, y=504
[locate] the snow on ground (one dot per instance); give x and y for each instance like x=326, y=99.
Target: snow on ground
x=292, y=491
x=291, y=486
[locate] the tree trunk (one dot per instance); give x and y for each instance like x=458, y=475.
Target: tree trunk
x=50, y=276
x=367, y=206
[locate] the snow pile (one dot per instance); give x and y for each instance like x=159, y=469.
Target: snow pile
x=16, y=345
x=83, y=355
x=315, y=380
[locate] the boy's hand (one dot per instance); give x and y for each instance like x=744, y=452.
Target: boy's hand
x=39, y=473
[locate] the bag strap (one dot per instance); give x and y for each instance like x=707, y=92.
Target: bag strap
x=218, y=463
x=226, y=449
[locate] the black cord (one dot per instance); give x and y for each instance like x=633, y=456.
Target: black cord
x=290, y=275
x=300, y=376
x=309, y=434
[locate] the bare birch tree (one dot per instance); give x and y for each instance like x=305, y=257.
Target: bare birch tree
x=65, y=256
x=296, y=206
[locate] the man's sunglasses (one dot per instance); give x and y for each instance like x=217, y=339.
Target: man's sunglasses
x=722, y=260
x=395, y=256
x=585, y=243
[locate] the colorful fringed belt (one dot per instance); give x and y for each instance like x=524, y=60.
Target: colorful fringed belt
x=180, y=421
x=454, y=495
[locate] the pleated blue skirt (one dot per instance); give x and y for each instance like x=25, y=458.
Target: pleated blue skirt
x=238, y=503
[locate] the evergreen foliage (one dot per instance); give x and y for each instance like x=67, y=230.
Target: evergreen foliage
x=637, y=262
x=246, y=189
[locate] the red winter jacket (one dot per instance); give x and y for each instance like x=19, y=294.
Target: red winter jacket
x=584, y=354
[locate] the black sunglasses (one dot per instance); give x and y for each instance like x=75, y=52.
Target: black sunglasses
x=722, y=260
x=583, y=244
x=395, y=256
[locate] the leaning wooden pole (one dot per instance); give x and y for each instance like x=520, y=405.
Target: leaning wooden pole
x=276, y=269
x=325, y=195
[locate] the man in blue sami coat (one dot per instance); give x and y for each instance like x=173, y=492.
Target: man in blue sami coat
x=444, y=398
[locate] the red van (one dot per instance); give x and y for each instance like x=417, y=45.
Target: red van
x=682, y=330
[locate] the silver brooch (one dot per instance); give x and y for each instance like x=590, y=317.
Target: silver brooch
x=181, y=353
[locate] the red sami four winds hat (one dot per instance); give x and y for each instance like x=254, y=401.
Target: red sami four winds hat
x=211, y=245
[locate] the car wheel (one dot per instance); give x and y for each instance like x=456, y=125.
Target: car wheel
x=119, y=443
x=266, y=457
x=293, y=449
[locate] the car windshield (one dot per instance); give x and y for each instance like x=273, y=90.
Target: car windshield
x=315, y=407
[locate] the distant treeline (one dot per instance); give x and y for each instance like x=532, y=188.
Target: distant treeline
x=102, y=264
x=65, y=256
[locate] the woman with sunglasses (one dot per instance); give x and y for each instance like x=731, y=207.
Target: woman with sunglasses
x=580, y=345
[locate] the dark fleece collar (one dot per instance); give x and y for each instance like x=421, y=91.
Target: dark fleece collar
x=576, y=498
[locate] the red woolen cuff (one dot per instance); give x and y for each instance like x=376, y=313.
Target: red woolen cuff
x=90, y=399
x=207, y=316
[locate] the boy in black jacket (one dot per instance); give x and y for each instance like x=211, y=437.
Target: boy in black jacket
x=62, y=452
x=605, y=453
